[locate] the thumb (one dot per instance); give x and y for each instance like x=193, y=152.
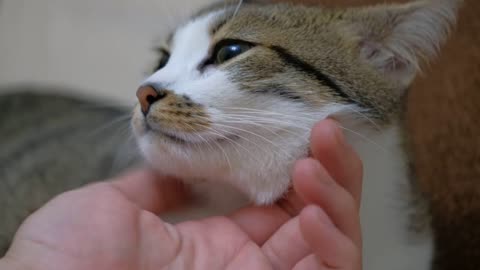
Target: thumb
x=151, y=191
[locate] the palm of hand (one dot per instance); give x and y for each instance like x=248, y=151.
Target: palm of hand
x=102, y=229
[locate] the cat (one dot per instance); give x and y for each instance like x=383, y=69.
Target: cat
x=238, y=88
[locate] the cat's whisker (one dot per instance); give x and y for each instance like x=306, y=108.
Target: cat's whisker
x=224, y=153
x=221, y=132
x=238, y=144
x=107, y=105
x=306, y=116
x=232, y=142
x=264, y=120
x=208, y=144
x=365, y=117
x=260, y=122
x=241, y=120
x=237, y=8
x=241, y=137
x=125, y=154
x=307, y=128
x=256, y=135
x=124, y=119
x=365, y=138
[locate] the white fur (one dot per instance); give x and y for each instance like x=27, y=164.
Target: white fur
x=388, y=244
x=259, y=161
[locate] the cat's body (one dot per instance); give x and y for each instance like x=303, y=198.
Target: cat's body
x=234, y=101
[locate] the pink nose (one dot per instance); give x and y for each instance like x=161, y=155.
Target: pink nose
x=147, y=95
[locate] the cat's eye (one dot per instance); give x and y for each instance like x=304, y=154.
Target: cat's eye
x=230, y=50
x=164, y=57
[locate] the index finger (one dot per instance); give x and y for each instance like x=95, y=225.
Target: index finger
x=329, y=146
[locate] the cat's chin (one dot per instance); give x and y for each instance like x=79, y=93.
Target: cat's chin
x=263, y=179
x=255, y=168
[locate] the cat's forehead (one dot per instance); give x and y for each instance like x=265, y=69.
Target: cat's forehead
x=196, y=31
x=256, y=23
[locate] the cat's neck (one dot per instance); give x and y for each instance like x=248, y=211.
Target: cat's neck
x=386, y=209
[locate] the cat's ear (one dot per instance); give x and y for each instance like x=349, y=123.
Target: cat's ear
x=395, y=39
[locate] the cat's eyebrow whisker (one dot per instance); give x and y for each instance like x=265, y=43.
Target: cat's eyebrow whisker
x=237, y=8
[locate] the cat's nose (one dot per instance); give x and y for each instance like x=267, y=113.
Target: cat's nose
x=147, y=95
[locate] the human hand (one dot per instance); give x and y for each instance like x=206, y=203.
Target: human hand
x=114, y=225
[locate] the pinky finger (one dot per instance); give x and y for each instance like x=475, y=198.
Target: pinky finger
x=332, y=249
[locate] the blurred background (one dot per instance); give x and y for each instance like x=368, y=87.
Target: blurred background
x=103, y=47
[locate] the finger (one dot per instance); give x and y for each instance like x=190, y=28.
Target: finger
x=261, y=222
x=332, y=248
x=315, y=186
x=328, y=145
x=150, y=191
x=310, y=262
x=287, y=246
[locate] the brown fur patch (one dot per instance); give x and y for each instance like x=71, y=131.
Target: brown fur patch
x=178, y=113
x=324, y=46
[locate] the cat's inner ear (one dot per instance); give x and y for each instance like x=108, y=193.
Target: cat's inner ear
x=395, y=39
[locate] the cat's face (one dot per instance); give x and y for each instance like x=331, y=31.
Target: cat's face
x=238, y=90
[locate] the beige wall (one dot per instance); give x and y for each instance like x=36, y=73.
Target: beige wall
x=101, y=47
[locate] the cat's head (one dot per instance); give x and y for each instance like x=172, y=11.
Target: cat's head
x=238, y=88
